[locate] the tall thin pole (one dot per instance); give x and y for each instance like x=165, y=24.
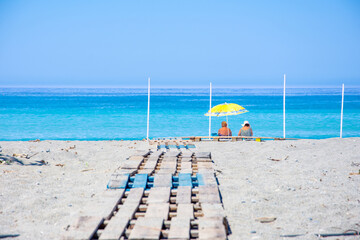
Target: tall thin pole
x=284, y=106
x=148, y=111
x=210, y=111
x=342, y=111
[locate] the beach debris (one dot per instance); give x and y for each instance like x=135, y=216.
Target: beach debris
x=28, y=157
x=353, y=164
x=48, y=150
x=60, y=165
x=72, y=147
x=36, y=140
x=85, y=170
x=266, y=219
x=277, y=160
x=358, y=173
x=20, y=155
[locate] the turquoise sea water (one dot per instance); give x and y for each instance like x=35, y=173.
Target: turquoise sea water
x=107, y=114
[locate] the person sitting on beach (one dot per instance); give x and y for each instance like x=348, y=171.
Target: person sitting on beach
x=246, y=130
x=224, y=130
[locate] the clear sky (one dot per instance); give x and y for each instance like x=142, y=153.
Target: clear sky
x=179, y=43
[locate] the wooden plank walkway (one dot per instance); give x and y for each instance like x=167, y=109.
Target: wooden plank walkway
x=156, y=195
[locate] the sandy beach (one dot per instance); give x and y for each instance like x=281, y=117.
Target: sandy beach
x=305, y=184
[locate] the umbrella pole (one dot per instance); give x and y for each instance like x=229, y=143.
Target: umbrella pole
x=227, y=122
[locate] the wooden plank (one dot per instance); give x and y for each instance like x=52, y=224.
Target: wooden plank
x=159, y=195
x=135, y=158
x=183, y=195
x=157, y=210
x=104, y=204
x=203, y=154
x=203, y=160
x=185, y=179
x=169, y=159
x=142, y=153
x=167, y=170
x=131, y=164
x=186, y=167
x=212, y=210
x=84, y=227
x=206, y=179
x=211, y=229
x=179, y=228
x=170, y=165
x=145, y=171
x=117, y=224
x=118, y=181
x=153, y=158
x=125, y=171
x=135, y=195
x=147, y=228
x=185, y=211
x=156, y=154
x=209, y=194
x=163, y=180
x=172, y=154
x=188, y=154
x=140, y=181
x=150, y=164
x=207, y=165
x=186, y=159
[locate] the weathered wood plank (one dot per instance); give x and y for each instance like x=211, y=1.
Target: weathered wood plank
x=185, y=211
x=172, y=154
x=183, y=194
x=118, y=181
x=117, y=224
x=179, y=228
x=135, y=158
x=131, y=164
x=104, y=204
x=209, y=194
x=169, y=165
x=140, y=181
x=169, y=159
x=157, y=210
x=212, y=210
x=145, y=171
x=187, y=154
x=150, y=164
x=163, y=180
x=147, y=228
x=135, y=195
x=206, y=179
x=143, y=153
x=186, y=159
x=84, y=227
x=211, y=229
x=185, y=179
x=159, y=195
x=206, y=165
x=167, y=170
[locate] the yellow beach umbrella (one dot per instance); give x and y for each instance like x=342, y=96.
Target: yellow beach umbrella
x=226, y=109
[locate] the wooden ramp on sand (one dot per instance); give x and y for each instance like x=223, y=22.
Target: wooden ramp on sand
x=157, y=196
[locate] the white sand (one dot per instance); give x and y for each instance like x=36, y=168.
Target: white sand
x=309, y=192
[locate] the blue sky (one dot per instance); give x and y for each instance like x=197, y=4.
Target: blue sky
x=179, y=43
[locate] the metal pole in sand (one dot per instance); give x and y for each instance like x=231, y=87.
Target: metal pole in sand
x=284, y=106
x=148, y=111
x=210, y=112
x=342, y=111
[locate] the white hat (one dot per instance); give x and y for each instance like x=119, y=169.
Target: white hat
x=245, y=122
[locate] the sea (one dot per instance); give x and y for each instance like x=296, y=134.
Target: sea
x=121, y=113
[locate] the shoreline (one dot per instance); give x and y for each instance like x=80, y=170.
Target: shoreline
x=309, y=190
